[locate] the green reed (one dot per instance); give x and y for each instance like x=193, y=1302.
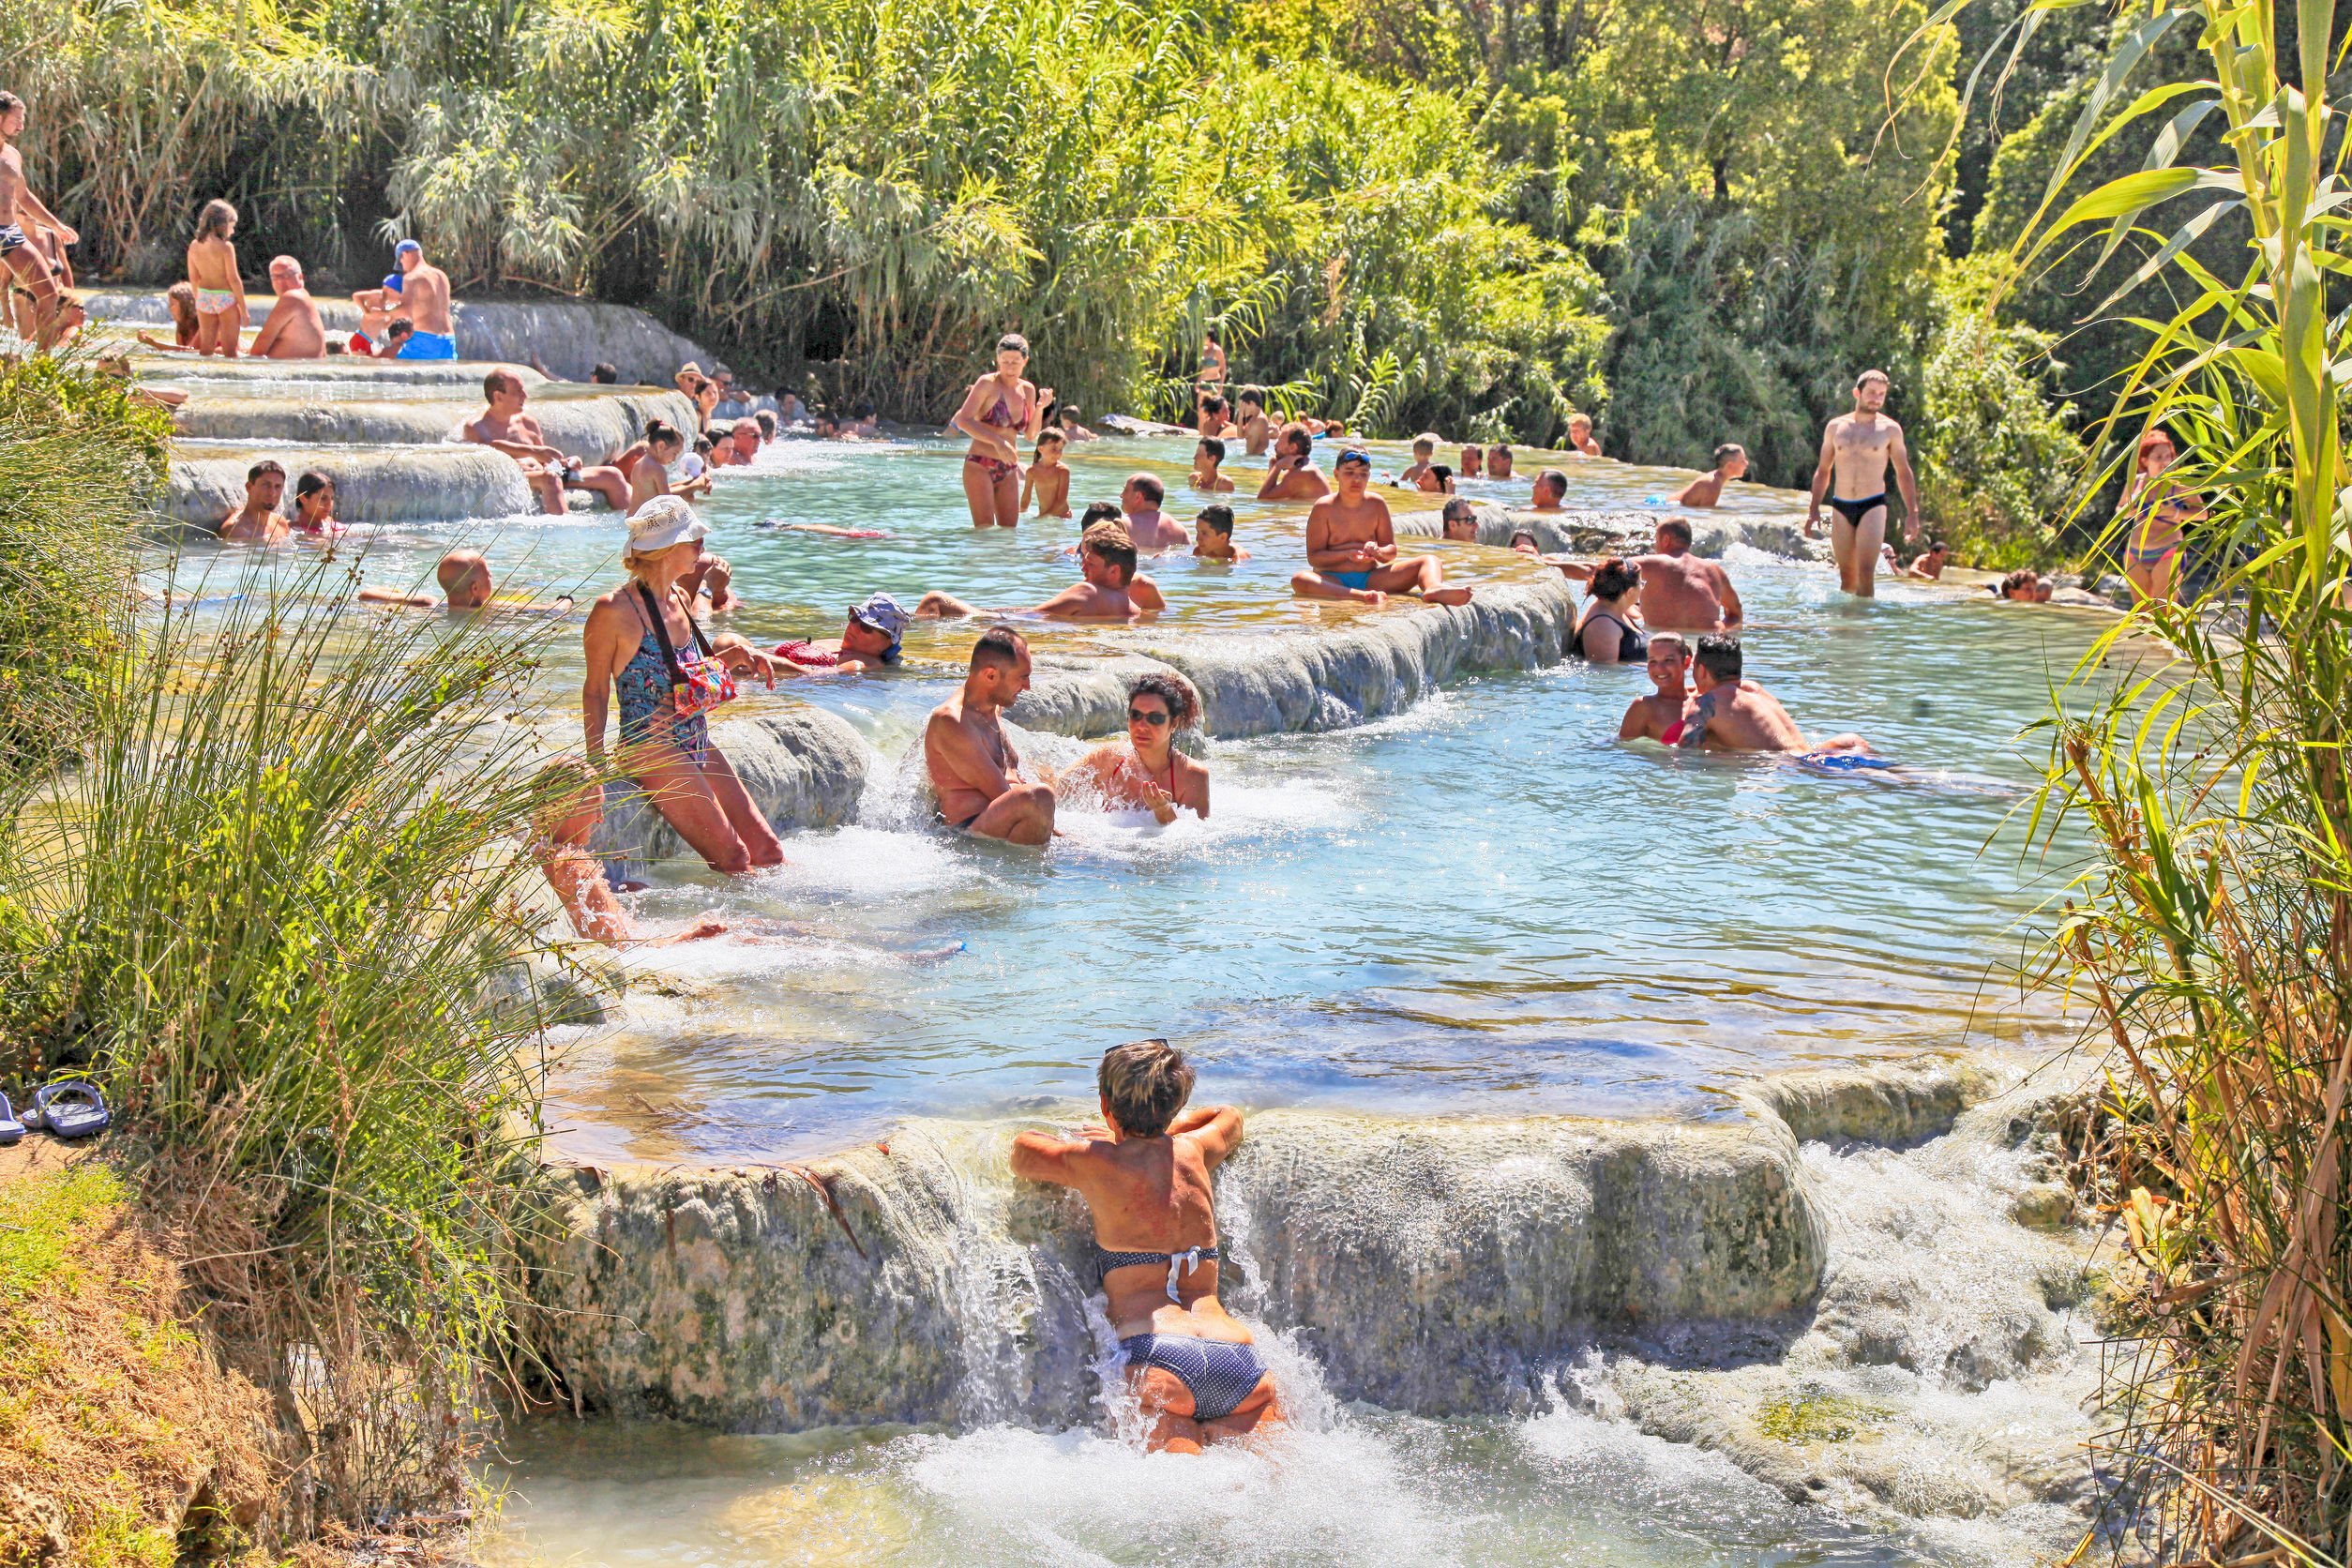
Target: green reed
x=267, y=910
x=2211, y=936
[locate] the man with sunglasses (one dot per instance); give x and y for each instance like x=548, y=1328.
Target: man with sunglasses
x=1352, y=547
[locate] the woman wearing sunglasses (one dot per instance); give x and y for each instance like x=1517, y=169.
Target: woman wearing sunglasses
x=1147, y=771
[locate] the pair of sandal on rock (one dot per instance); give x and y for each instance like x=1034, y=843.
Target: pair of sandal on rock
x=73, y=1109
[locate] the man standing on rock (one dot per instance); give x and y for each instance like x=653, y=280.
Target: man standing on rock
x=505, y=427
x=1679, y=590
x=425, y=301
x=18, y=206
x=294, y=330
x=975, y=772
x=1856, y=449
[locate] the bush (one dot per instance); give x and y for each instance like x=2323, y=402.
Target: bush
x=1997, y=462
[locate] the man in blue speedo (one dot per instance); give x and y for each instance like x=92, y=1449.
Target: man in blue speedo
x=425, y=301
x=1144, y=1172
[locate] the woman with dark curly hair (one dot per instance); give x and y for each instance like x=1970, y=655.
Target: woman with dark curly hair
x=1607, y=632
x=1148, y=771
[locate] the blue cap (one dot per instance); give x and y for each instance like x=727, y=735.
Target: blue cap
x=392, y=282
x=408, y=244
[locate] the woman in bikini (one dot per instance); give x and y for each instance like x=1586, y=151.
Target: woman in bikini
x=212, y=272
x=1148, y=772
x=642, y=645
x=1000, y=408
x=2158, y=508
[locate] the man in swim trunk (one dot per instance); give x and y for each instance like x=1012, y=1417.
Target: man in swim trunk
x=1733, y=714
x=1352, y=547
x=1851, y=476
x=1677, y=589
x=975, y=773
x=292, y=329
x=31, y=267
x=424, y=300
x=505, y=427
x=1144, y=1173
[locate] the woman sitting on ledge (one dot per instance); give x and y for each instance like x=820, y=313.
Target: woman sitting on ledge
x=1144, y=1173
x=642, y=642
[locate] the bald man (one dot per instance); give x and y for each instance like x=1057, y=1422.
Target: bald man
x=293, y=329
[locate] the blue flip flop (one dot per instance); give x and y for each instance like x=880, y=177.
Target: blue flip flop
x=73, y=1109
x=10, y=1128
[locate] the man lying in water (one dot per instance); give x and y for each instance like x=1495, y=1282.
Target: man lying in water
x=868, y=640
x=1733, y=714
x=1144, y=1174
x=464, y=577
x=1107, y=567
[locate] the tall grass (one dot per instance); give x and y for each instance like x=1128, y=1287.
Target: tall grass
x=270, y=909
x=2212, y=935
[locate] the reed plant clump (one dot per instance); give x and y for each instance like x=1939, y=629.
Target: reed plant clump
x=2210, y=935
x=270, y=911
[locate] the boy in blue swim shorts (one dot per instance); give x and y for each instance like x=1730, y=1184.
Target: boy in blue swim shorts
x=1352, y=547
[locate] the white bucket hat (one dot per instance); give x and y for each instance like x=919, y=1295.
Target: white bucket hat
x=662, y=521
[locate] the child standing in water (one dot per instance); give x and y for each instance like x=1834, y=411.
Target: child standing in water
x=212, y=271
x=1048, y=479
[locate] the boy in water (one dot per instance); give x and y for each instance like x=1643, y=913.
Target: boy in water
x=1425, y=454
x=1580, y=436
x=1215, y=533
x=1047, y=479
x=1257, y=429
x=1352, y=547
x=1473, y=465
x=1731, y=462
x=1206, y=473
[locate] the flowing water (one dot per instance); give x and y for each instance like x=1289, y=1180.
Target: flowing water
x=1485, y=905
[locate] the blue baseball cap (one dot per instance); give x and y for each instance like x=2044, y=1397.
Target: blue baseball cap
x=392, y=282
x=408, y=244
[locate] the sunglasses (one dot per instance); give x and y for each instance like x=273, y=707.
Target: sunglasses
x=1157, y=721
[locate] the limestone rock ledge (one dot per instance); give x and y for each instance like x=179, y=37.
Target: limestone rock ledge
x=803, y=767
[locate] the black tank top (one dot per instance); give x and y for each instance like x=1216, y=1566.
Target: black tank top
x=1633, y=646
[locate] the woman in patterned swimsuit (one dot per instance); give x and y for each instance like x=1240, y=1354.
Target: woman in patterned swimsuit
x=672, y=759
x=998, y=408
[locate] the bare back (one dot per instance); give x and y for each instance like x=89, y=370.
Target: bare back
x=1744, y=716
x=1683, y=593
x=425, y=299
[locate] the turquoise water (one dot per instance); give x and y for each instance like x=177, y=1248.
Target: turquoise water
x=1485, y=905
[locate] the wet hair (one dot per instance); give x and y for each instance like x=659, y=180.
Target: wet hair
x=701, y=447
x=1724, y=453
x=1049, y=433
x=1719, y=656
x=605, y=375
x=1669, y=638
x=1554, y=481
x=9, y=102
x=498, y=378
x=399, y=326
x=1445, y=475
x=1067, y=410
x=1527, y=533
x=214, y=220
x=1183, y=708
x=1115, y=546
x=1214, y=447
x=1931, y=546
x=1150, y=485
x=1502, y=447
x=1213, y=405
x=1868, y=376
x=661, y=432
x=1298, y=433
x=999, y=648
x=1679, y=528
x=1145, y=1084
x=1258, y=397
x=1425, y=438
x=766, y=422
x=2025, y=576
x=311, y=483
x=336, y=345
x=1099, y=511
x=1614, y=578
x=180, y=299
x=1219, y=518
x=267, y=465
x=1337, y=427
x=1014, y=341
